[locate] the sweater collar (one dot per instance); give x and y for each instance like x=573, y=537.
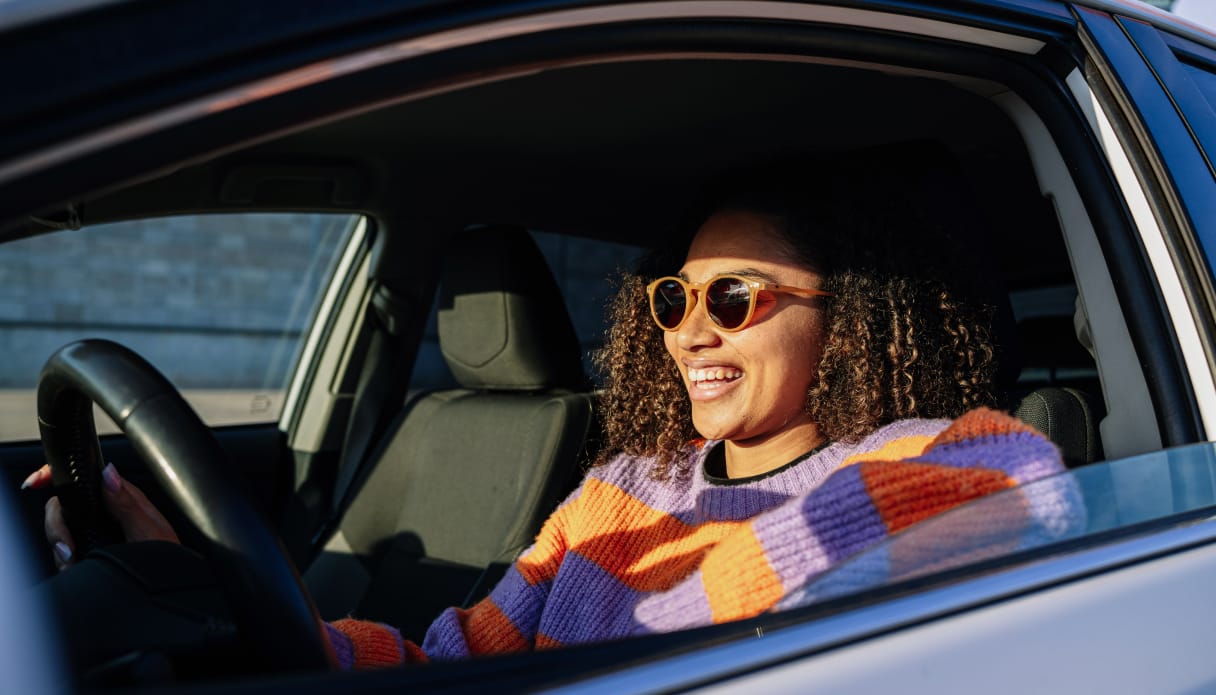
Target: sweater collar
x=713, y=469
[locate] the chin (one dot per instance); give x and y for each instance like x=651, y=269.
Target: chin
x=716, y=431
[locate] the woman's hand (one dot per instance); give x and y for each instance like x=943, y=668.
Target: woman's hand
x=138, y=518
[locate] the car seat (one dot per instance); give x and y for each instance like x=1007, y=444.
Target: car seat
x=465, y=476
x=1059, y=397
x=1056, y=393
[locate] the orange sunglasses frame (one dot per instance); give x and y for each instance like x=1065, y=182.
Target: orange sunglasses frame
x=754, y=287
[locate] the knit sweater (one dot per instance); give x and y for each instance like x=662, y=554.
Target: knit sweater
x=626, y=554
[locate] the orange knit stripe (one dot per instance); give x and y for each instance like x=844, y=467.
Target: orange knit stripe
x=375, y=646
x=906, y=493
x=894, y=450
x=414, y=653
x=541, y=563
x=646, y=549
x=488, y=630
x=981, y=422
x=544, y=641
x=739, y=561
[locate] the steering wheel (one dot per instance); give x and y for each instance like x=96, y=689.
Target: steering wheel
x=269, y=602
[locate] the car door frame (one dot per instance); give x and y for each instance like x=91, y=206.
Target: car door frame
x=1175, y=206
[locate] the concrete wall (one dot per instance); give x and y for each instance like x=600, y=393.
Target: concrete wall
x=219, y=302
x=206, y=299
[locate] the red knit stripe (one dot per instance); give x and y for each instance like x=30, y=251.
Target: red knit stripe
x=962, y=539
x=413, y=653
x=907, y=493
x=544, y=641
x=646, y=549
x=981, y=422
x=489, y=631
x=540, y=564
x=375, y=645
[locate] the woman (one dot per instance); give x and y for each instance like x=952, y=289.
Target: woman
x=778, y=404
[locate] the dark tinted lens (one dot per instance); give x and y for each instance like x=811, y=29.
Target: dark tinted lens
x=668, y=302
x=727, y=300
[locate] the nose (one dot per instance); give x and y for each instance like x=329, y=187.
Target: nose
x=698, y=331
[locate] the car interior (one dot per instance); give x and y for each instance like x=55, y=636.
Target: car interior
x=396, y=501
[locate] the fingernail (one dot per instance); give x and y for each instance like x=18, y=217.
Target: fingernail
x=29, y=480
x=110, y=477
x=63, y=553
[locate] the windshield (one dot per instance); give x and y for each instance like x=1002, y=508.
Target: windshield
x=1083, y=502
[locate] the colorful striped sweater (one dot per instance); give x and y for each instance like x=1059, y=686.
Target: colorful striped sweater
x=626, y=554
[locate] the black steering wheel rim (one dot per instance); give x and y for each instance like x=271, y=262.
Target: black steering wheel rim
x=272, y=607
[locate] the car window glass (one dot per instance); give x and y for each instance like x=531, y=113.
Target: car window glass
x=1086, y=501
x=1048, y=349
x=584, y=269
x=218, y=303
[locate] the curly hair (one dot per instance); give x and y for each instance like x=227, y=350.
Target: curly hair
x=905, y=335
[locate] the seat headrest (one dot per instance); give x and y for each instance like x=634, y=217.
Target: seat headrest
x=502, y=322
x=1069, y=417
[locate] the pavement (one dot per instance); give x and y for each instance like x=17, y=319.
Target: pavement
x=19, y=420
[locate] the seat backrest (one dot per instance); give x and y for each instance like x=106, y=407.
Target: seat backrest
x=465, y=476
x=1069, y=417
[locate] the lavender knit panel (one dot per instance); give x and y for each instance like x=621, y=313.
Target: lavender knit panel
x=902, y=428
x=1057, y=506
x=632, y=475
x=684, y=606
x=792, y=544
x=864, y=571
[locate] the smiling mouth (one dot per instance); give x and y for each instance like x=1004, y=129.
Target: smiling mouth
x=713, y=377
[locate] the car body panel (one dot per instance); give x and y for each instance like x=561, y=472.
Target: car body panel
x=1130, y=630
x=1065, y=611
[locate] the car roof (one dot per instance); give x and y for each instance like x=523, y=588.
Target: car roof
x=17, y=13
x=615, y=150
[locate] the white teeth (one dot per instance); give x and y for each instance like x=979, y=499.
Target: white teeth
x=714, y=374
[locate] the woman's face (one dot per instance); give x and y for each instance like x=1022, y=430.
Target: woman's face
x=751, y=385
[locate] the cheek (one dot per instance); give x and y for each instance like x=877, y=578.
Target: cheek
x=814, y=345
x=669, y=342
x=799, y=356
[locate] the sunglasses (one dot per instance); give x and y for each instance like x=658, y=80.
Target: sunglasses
x=729, y=300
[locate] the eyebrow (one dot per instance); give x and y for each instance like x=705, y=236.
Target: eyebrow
x=751, y=273
x=756, y=274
